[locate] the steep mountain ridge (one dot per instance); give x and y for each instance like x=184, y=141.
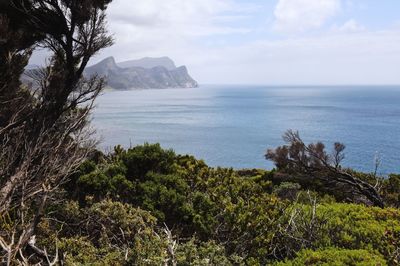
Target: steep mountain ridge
x=149, y=62
x=136, y=76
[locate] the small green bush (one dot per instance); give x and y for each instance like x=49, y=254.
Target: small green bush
x=335, y=257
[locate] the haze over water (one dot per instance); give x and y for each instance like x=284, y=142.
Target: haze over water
x=232, y=126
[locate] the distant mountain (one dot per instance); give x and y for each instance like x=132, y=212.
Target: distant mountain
x=149, y=62
x=146, y=73
x=104, y=68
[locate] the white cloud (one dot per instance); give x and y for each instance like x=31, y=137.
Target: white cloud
x=293, y=16
x=182, y=29
x=167, y=28
x=357, y=58
x=349, y=27
x=396, y=24
x=159, y=27
x=163, y=13
x=202, y=35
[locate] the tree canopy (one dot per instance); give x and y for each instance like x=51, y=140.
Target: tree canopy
x=43, y=127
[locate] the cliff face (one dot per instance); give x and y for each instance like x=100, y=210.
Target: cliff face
x=129, y=75
x=149, y=62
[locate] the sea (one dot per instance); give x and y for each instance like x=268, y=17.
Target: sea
x=234, y=125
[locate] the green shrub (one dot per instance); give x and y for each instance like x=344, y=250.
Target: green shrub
x=109, y=229
x=204, y=253
x=335, y=257
x=234, y=215
x=391, y=190
x=146, y=158
x=81, y=251
x=346, y=226
x=287, y=190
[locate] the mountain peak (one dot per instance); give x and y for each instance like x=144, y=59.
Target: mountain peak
x=144, y=73
x=149, y=62
x=109, y=61
x=103, y=68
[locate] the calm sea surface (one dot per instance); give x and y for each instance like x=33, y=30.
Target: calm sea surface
x=234, y=125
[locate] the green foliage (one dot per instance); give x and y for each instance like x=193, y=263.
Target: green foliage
x=166, y=197
x=287, y=190
x=205, y=253
x=218, y=216
x=335, y=257
x=354, y=226
x=145, y=158
x=391, y=190
x=347, y=226
x=108, y=231
x=80, y=251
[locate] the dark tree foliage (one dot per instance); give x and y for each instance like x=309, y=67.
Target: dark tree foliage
x=43, y=129
x=314, y=162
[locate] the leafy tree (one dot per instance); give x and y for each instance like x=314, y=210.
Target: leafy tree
x=43, y=129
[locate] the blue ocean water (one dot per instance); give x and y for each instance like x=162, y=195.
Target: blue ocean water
x=233, y=126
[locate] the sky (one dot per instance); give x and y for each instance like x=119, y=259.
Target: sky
x=271, y=42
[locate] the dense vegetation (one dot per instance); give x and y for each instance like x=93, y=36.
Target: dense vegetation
x=149, y=206
x=64, y=203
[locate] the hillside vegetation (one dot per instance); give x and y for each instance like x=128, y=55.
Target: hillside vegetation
x=149, y=206
x=62, y=202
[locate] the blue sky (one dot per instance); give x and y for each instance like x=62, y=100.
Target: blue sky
x=264, y=41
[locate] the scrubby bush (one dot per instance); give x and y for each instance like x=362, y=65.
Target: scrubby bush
x=347, y=226
x=336, y=257
x=104, y=232
x=205, y=253
x=287, y=190
x=146, y=158
x=391, y=190
x=216, y=216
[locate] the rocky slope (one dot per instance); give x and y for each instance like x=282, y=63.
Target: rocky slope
x=149, y=62
x=146, y=73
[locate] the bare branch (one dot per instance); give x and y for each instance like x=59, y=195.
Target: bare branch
x=313, y=161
